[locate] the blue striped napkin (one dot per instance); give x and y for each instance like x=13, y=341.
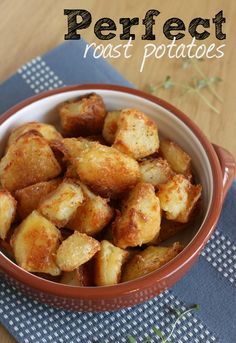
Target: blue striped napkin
x=210, y=283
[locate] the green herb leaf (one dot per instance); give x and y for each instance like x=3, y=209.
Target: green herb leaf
x=175, y=311
x=168, y=83
x=188, y=62
x=131, y=339
x=158, y=332
x=214, y=79
x=147, y=340
x=152, y=88
x=196, y=307
x=202, y=83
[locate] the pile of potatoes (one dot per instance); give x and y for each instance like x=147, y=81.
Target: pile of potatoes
x=90, y=206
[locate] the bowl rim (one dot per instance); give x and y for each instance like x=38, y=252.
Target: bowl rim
x=189, y=253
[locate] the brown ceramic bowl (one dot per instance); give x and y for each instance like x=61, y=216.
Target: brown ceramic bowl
x=214, y=167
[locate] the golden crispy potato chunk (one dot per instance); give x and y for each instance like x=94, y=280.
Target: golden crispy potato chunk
x=72, y=147
x=148, y=260
x=105, y=170
x=110, y=126
x=35, y=243
x=48, y=132
x=136, y=135
x=60, y=205
x=76, y=250
x=28, y=198
x=30, y=160
x=108, y=263
x=93, y=215
x=81, y=276
x=7, y=212
x=177, y=158
x=84, y=116
x=178, y=198
x=139, y=221
x=155, y=171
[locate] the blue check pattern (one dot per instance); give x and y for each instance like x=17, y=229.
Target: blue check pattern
x=211, y=282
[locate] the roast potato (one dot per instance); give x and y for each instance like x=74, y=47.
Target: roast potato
x=149, y=260
x=155, y=171
x=71, y=148
x=35, y=243
x=177, y=158
x=60, y=205
x=108, y=264
x=78, y=277
x=110, y=126
x=76, y=250
x=84, y=116
x=136, y=135
x=93, y=215
x=28, y=198
x=140, y=217
x=178, y=198
x=110, y=172
x=48, y=132
x=7, y=212
x=30, y=160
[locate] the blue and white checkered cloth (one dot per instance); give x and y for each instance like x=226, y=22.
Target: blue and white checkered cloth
x=210, y=283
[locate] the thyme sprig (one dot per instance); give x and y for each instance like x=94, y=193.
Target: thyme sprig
x=208, y=81
x=160, y=334
x=194, y=85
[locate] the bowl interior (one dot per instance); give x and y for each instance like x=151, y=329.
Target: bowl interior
x=169, y=125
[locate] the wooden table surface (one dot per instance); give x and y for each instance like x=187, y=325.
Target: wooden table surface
x=31, y=28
